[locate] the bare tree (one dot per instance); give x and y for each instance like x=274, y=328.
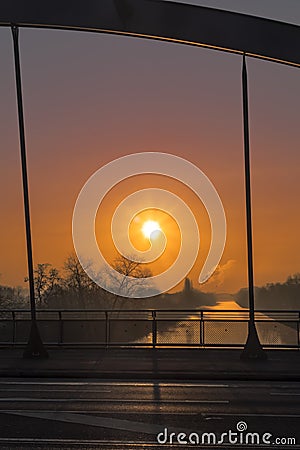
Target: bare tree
x=77, y=282
x=76, y=278
x=46, y=282
x=134, y=280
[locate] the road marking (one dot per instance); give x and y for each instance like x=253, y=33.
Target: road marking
x=114, y=400
x=92, y=442
x=87, y=383
x=102, y=422
x=96, y=391
x=95, y=412
x=239, y=414
x=242, y=385
x=285, y=393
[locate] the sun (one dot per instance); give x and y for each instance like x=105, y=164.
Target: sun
x=149, y=227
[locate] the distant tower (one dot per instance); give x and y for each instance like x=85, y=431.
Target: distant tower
x=187, y=285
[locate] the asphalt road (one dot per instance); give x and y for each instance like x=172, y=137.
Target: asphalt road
x=88, y=414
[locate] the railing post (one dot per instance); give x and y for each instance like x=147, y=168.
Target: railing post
x=201, y=329
x=298, y=330
x=61, y=329
x=106, y=329
x=14, y=327
x=154, y=329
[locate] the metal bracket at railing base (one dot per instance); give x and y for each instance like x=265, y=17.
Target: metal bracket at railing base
x=253, y=349
x=35, y=347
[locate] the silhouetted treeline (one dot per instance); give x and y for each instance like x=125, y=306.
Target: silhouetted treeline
x=71, y=288
x=13, y=297
x=274, y=295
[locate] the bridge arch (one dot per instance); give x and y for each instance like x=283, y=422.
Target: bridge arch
x=163, y=20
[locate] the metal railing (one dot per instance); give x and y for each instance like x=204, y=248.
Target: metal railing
x=151, y=328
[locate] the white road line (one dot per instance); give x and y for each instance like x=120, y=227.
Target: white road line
x=75, y=442
x=94, y=391
x=285, y=393
x=102, y=422
x=188, y=385
x=288, y=386
x=72, y=411
x=240, y=414
x=88, y=383
x=112, y=384
x=107, y=400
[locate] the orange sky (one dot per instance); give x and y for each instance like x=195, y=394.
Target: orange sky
x=92, y=98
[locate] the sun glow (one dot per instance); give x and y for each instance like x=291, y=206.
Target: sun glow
x=149, y=227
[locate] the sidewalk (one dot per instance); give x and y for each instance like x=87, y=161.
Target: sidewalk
x=188, y=364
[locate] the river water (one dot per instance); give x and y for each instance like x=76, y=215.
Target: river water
x=221, y=328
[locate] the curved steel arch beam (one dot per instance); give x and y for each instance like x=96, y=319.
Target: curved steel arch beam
x=164, y=20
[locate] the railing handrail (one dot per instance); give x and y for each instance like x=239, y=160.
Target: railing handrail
x=14, y=322
x=150, y=310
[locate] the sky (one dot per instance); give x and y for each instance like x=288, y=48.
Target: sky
x=91, y=98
